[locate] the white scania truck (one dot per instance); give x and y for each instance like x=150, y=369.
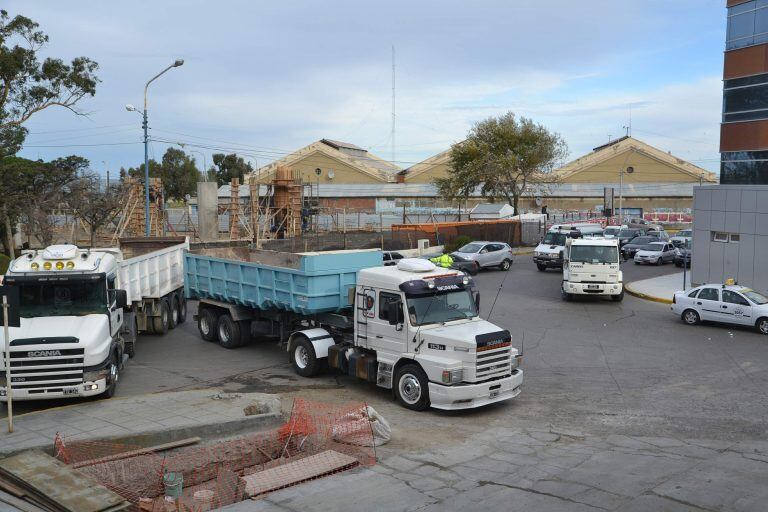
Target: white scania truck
x=411, y=327
x=81, y=311
x=591, y=267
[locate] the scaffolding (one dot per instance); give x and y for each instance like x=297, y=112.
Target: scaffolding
x=280, y=212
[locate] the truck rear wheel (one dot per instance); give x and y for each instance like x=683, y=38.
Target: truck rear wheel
x=182, y=308
x=412, y=387
x=207, y=324
x=173, y=305
x=163, y=320
x=229, y=332
x=303, y=359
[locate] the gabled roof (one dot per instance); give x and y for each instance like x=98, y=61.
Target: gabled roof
x=430, y=163
x=345, y=153
x=624, y=144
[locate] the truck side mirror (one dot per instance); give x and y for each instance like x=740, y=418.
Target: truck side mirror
x=121, y=298
x=395, y=312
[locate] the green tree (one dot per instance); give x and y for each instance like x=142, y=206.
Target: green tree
x=179, y=174
x=230, y=166
x=28, y=86
x=505, y=156
x=97, y=206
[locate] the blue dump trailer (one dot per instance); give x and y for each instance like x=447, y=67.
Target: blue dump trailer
x=412, y=328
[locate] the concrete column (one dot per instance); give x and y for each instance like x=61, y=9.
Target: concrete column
x=208, y=210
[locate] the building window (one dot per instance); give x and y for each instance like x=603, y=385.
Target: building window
x=745, y=99
x=744, y=168
x=747, y=24
x=734, y=238
x=719, y=237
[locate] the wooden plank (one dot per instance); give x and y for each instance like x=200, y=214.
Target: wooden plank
x=297, y=471
x=20, y=504
x=51, y=482
x=140, y=451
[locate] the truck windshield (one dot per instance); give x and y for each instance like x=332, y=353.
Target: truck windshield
x=441, y=307
x=594, y=254
x=552, y=238
x=73, y=298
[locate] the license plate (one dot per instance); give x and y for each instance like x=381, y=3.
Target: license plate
x=593, y=287
x=71, y=391
x=494, y=394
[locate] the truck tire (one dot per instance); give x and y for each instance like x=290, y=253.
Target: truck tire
x=113, y=377
x=505, y=265
x=542, y=268
x=228, y=332
x=303, y=359
x=207, y=324
x=162, y=322
x=619, y=297
x=130, y=345
x=412, y=387
x=173, y=306
x=182, y=307
x=567, y=297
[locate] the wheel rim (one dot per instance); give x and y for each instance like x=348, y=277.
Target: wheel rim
x=301, y=356
x=505, y=265
x=690, y=317
x=175, y=314
x=763, y=326
x=164, y=316
x=113, y=374
x=205, y=325
x=410, y=389
x=223, y=333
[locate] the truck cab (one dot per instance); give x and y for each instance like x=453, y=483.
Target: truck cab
x=591, y=267
x=417, y=331
x=551, y=250
x=69, y=342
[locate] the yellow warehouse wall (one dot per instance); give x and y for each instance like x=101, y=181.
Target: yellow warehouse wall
x=647, y=170
x=343, y=173
x=438, y=171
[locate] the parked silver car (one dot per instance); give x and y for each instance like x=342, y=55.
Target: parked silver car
x=487, y=254
x=656, y=253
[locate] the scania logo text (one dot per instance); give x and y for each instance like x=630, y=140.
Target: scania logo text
x=44, y=353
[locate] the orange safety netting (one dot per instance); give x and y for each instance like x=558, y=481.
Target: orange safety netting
x=317, y=440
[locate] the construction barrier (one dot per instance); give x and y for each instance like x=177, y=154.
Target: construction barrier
x=316, y=441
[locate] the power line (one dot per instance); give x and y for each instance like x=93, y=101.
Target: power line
x=82, y=145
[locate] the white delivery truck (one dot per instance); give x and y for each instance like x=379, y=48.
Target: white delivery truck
x=412, y=328
x=591, y=267
x=82, y=309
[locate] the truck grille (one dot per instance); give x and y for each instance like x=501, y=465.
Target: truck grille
x=49, y=370
x=494, y=355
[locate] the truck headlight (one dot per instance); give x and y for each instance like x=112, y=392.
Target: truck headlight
x=516, y=361
x=453, y=376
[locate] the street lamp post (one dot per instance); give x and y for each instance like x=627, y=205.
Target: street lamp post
x=145, y=126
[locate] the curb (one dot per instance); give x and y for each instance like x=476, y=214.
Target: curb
x=209, y=430
x=629, y=290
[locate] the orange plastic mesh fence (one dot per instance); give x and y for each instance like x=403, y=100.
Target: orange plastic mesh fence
x=317, y=440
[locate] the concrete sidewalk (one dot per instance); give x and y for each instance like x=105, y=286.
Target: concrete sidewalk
x=659, y=289
x=154, y=418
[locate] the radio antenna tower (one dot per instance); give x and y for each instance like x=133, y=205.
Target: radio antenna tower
x=393, y=104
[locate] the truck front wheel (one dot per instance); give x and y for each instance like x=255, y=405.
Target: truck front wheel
x=303, y=358
x=113, y=377
x=412, y=387
x=619, y=297
x=207, y=324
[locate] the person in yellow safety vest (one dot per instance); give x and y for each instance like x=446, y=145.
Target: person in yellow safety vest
x=444, y=261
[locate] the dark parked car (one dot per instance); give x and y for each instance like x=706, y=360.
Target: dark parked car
x=627, y=234
x=391, y=258
x=459, y=263
x=630, y=248
x=683, y=254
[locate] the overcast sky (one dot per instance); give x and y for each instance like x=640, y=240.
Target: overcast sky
x=265, y=78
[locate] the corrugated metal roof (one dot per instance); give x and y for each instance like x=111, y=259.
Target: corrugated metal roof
x=398, y=190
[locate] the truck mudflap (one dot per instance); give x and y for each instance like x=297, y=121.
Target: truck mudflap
x=469, y=396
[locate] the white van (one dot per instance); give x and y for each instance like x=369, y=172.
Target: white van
x=549, y=252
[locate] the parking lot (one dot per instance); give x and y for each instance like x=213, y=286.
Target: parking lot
x=591, y=363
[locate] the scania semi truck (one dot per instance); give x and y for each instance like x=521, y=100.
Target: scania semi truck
x=82, y=309
x=412, y=328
